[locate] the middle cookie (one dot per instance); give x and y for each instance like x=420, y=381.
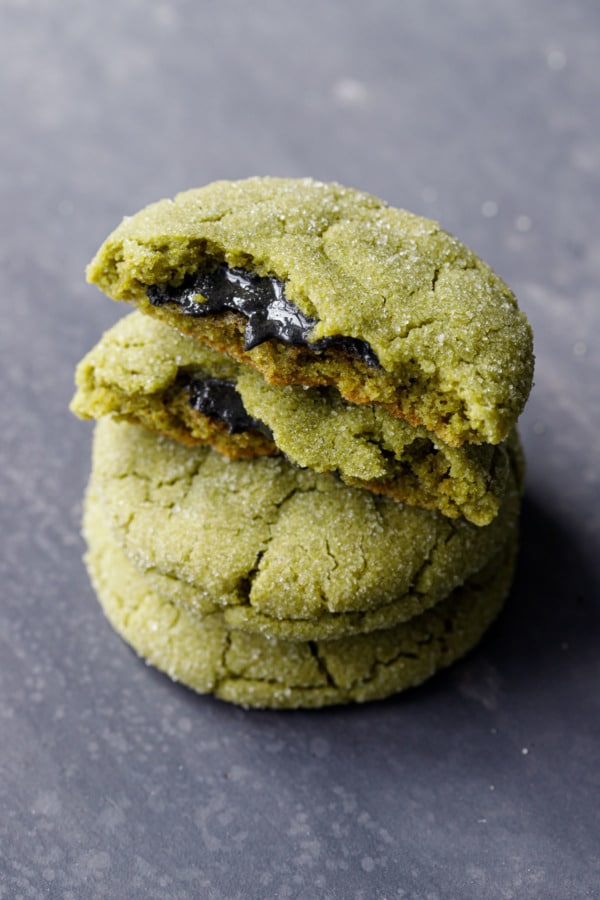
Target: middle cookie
x=145, y=372
x=286, y=551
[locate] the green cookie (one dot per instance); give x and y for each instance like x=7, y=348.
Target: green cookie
x=286, y=551
x=144, y=371
x=254, y=671
x=320, y=285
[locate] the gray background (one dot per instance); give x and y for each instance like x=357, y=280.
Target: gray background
x=115, y=782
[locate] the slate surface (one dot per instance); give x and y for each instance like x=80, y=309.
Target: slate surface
x=116, y=783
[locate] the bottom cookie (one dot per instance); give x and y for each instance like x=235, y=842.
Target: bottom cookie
x=255, y=671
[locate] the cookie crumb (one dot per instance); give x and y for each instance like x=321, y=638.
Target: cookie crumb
x=556, y=59
x=489, y=209
x=523, y=223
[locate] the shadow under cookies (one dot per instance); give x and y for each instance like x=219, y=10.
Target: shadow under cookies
x=551, y=621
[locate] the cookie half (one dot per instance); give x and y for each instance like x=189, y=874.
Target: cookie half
x=254, y=671
x=321, y=285
x=144, y=371
x=285, y=550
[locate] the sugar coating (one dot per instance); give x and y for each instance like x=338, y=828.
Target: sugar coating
x=138, y=372
x=455, y=351
x=255, y=671
x=283, y=547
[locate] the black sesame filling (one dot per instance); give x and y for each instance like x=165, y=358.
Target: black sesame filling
x=219, y=399
x=262, y=300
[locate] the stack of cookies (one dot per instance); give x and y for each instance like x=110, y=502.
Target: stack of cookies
x=306, y=476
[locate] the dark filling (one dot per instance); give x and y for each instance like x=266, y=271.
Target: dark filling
x=219, y=399
x=262, y=300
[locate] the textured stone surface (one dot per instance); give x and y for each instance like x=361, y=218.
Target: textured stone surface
x=115, y=782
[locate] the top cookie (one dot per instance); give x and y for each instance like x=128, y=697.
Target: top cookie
x=319, y=284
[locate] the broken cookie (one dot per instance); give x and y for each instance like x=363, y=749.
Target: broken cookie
x=145, y=372
x=322, y=285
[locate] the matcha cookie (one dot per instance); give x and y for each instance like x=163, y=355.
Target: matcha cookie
x=144, y=371
x=251, y=670
x=287, y=551
x=322, y=285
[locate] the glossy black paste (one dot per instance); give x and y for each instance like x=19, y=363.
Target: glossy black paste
x=219, y=399
x=262, y=300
